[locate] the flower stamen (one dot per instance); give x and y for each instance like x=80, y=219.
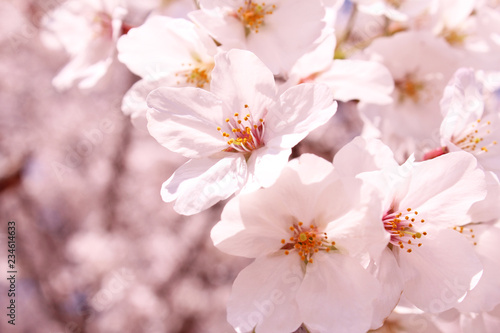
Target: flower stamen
x=409, y=87
x=245, y=134
x=401, y=227
x=252, y=15
x=468, y=232
x=474, y=139
x=306, y=241
x=198, y=75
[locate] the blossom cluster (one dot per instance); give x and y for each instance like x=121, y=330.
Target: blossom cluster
x=400, y=231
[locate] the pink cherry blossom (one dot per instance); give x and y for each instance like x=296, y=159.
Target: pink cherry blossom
x=277, y=31
x=422, y=203
x=308, y=233
x=164, y=52
x=88, y=31
x=239, y=135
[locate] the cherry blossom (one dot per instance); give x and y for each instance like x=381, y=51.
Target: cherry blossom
x=277, y=31
x=429, y=63
x=349, y=79
x=422, y=203
x=239, y=135
x=88, y=31
x=308, y=233
x=164, y=52
x=470, y=126
x=400, y=233
x=467, y=124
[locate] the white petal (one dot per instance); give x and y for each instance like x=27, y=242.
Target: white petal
x=337, y=295
x=444, y=188
x=440, y=272
x=363, y=155
x=264, y=296
x=87, y=67
x=134, y=102
x=223, y=28
x=251, y=226
x=265, y=165
x=454, y=13
x=240, y=78
x=354, y=216
x=367, y=81
x=317, y=60
x=199, y=184
x=254, y=224
x=185, y=120
x=311, y=168
x=487, y=209
x=164, y=45
x=303, y=20
x=387, y=271
x=462, y=103
x=302, y=109
x=486, y=295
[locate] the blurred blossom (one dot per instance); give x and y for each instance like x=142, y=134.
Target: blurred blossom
x=88, y=31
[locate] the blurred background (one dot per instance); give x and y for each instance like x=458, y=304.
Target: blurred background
x=96, y=248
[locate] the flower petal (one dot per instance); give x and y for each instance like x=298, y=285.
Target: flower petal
x=364, y=155
x=311, y=168
x=462, y=103
x=250, y=228
x=87, y=67
x=444, y=189
x=387, y=271
x=265, y=166
x=253, y=224
x=263, y=296
x=486, y=295
x=337, y=295
x=200, y=183
x=487, y=209
x=368, y=81
x=354, y=220
x=440, y=272
x=302, y=109
x=185, y=120
x=226, y=29
x=240, y=78
x=164, y=45
x=134, y=102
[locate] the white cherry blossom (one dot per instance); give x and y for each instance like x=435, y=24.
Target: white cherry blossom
x=239, y=135
x=467, y=124
x=277, y=31
x=88, y=31
x=164, y=52
x=349, y=79
x=308, y=233
x=421, y=65
x=422, y=203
